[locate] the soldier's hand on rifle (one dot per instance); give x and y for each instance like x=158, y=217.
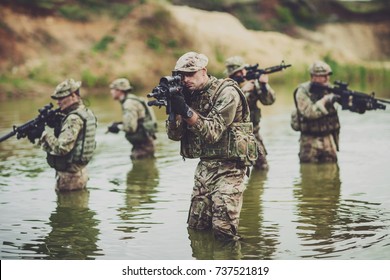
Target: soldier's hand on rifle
x=248, y=86
x=36, y=132
x=55, y=120
x=263, y=79
x=331, y=98
x=114, y=127
x=179, y=105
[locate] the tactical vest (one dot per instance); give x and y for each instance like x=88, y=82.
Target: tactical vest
x=85, y=144
x=236, y=143
x=146, y=127
x=325, y=125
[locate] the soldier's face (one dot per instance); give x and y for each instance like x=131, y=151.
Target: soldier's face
x=116, y=94
x=320, y=79
x=194, y=80
x=238, y=74
x=67, y=101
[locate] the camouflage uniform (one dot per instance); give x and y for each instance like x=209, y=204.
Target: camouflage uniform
x=261, y=93
x=216, y=199
x=135, y=113
x=71, y=173
x=318, y=121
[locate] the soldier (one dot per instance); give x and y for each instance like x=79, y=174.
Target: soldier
x=138, y=122
x=316, y=118
x=255, y=91
x=71, y=145
x=213, y=124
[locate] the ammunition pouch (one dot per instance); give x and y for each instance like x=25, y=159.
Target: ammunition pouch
x=237, y=143
x=59, y=163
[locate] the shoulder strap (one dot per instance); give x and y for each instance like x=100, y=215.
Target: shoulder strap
x=222, y=84
x=146, y=107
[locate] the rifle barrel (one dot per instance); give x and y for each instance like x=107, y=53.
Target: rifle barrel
x=383, y=100
x=8, y=135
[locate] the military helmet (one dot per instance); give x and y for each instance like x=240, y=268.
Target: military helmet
x=191, y=62
x=234, y=64
x=320, y=68
x=121, y=84
x=66, y=88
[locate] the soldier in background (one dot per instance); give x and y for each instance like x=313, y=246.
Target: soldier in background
x=138, y=121
x=316, y=118
x=255, y=91
x=210, y=114
x=72, y=143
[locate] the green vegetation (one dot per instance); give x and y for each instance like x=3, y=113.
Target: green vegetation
x=74, y=12
x=78, y=10
x=102, y=45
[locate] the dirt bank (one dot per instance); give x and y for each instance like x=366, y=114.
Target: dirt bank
x=41, y=51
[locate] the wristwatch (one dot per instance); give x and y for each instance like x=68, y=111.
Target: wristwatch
x=189, y=114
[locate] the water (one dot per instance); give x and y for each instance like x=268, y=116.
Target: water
x=139, y=210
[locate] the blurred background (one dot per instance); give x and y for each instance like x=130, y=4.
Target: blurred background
x=44, y=41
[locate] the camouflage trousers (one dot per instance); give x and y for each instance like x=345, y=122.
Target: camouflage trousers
x=71, y=181
x=217, y=197
x=143, y=150
x=261, y=162
x=314, y=149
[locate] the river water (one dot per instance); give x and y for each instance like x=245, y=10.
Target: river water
x=139, y=210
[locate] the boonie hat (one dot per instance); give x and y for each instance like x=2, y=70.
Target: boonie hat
x=66, y=88
x=121, y=84
x=320, y=68
x=234, y=64
x=191, y=62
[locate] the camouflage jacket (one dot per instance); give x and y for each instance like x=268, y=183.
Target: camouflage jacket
x=74, y=146
x=67, y=139
x=266, y=96
x=133, y=111
x=227, y=108
x=223, y=130
x=309, y=104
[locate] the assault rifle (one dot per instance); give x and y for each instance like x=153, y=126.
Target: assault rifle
x=253, y=71
x=46, y=114
x=351, y=100
x=168, y=86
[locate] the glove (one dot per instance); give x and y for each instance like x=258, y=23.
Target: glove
x=179, y=105
x=55, y=120
x=113, y=128
x=36, y=132
x=332, y=98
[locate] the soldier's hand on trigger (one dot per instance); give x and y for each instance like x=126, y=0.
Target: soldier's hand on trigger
x=179, y=105
x=263, y=79
x=36, y=132
x=331, y=98
x=248, y=86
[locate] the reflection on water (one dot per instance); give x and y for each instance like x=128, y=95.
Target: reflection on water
x=73, y=235
x=205, y=247
x=318, y=194
x=328, y=225
x=74, y=229
x=138, y=210
x=141, y=182
x=259, y=239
